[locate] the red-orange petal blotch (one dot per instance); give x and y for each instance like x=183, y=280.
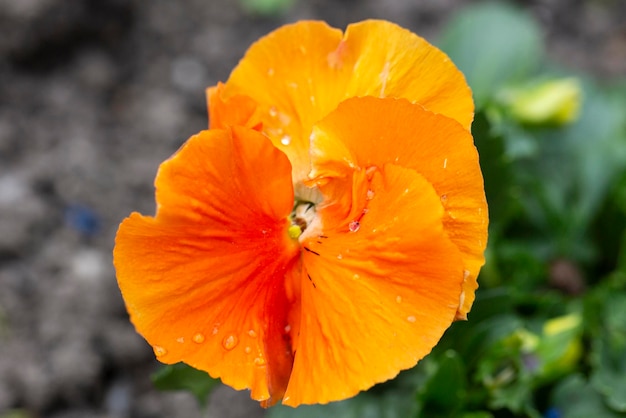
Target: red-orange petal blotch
x=313, y=243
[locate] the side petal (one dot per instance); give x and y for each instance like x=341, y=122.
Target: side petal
x=377, y=296
x=238, y=110
x=369, y=132
x=203, y=280
x=300, y=72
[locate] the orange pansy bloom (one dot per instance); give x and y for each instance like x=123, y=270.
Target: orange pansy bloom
x=326, y=230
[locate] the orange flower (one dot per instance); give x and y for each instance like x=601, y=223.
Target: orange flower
x=314, y=301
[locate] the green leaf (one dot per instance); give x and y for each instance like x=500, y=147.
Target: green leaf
x=497, y=172
x=575, y=398
x=183, y=377
x=266, y=7
x=493, y=44
x=444, y=394
x=609, y=353
x=560, y=346
x=389, y=404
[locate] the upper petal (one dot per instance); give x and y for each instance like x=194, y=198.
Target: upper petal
x=300, y=72
x=375, y=296
x=366, y=132
x=203, y=280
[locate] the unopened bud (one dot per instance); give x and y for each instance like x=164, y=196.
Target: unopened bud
x=554, y=102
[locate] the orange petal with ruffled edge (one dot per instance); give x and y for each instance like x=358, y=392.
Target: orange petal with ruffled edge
x=365, y=132
x=237, y=110
x=376, y=296
x=203, y=280
x=300, y=72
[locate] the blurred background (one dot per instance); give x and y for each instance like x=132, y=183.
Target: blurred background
x=95, y=94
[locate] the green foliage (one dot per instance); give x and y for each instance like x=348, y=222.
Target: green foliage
x=266, y=7
x=547, y=334
x=182, y=377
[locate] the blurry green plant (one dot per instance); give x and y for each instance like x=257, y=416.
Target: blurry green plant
x=266, y=7
x=547, y=334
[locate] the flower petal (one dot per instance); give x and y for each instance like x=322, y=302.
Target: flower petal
x=203, y=280
x=301, y=72
x=376, y=296
x=238, y=110
x=366, y=132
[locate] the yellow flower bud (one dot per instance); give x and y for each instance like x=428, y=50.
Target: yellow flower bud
x=553, y=102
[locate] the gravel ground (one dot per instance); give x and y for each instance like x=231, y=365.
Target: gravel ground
x=93, y=96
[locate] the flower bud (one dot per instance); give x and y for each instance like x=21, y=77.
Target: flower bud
x=553, y=102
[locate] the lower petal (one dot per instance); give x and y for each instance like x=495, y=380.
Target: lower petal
x=377, y=291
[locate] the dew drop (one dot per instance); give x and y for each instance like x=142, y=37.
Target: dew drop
x=198, y=338
x=285, y=140
x=215, y=330
x=444, y=198
x=466, y=274
x=287, y=328
x=356, y=277
x=445, y=163
x=259, y=361
x=411, y=318
x=370, y=194
x=273, y=111
x=230, y=342
x=354, y=226
x=180, y=340
x=399, y=299
x=339, y=256
x=159, y=351
x=248, y=350
x=252, y=333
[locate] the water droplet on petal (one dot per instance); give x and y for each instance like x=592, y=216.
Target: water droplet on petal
x=248, y=350
x=354, y=226
x=285, y=140
x=259, y=361
x=356, y=277
x=273, y=111
x=339, y=256
x=180, y=340
x=399, y=299
x=159, y=351
x=369, y=171
x=215, y=329
x=411, y=318
x=230, y=342
x=370, y=194
x=287, y=328
x=252, y=333
x=444, y=198
x=445, y=163
x=198, y=338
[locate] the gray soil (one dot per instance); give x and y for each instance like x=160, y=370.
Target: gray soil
x=93, y=96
